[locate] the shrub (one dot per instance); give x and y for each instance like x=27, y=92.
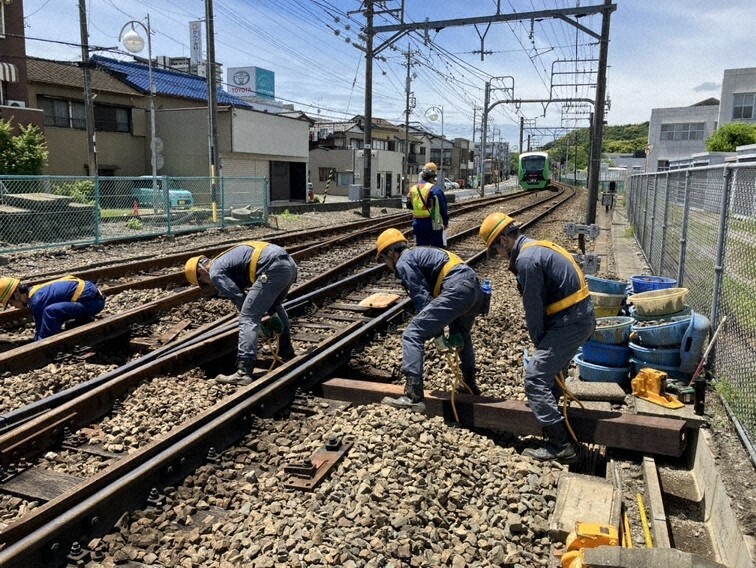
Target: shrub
x=135, y=224
x=82, y=191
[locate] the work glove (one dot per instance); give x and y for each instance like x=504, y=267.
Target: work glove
x=453, y=342
x=272, y=326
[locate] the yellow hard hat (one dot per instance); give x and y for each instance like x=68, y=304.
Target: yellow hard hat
x=387, y=238
x=8, y=286
x=431, y=166
x=190, y=269
x=493, y=226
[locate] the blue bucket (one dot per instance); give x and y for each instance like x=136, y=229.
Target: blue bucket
x=605, y=285
x=613, y=330
x=600, y=373
x=656, y=356
x=647, y=283
x=662, y=335
x=672, y=372
x=606, y=354
x=692, y=344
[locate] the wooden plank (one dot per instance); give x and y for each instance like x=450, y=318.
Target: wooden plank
x=685, y=413
x=647, y=434
x=379, y=300
x=41, y=484
x=655, y=504
x=174, y=331
x=340, y=317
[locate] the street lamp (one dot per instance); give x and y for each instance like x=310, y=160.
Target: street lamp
x=435, y=111
x=134, y=43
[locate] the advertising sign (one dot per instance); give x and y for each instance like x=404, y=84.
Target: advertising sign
x=195, y=42
x=251, y=82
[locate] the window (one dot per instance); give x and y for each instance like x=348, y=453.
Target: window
x=662, y=165
x=344, y=178
x=111, y=119
x=71, y=114
x=2, y=19
x=324, y=173
x=743, y=106
x=683, y=131
x=62, y=113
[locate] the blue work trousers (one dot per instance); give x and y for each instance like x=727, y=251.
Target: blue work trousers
x=425, y=236
x=55, y=315
x=456, y=306
x=266, y=296
x=564, y=334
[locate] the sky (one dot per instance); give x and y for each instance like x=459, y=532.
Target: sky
x=662, y=53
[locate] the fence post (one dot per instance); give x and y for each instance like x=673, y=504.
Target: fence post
x=684, y=231
x=97, y=209
x=223, y=204
x=719, y=261
x=664, y=225
x=168, y=211
x=328, y=184
x=653, y=223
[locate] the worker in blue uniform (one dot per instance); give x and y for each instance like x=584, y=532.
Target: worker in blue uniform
x=67, y=299
x=559, y=317
x=445, y=292
x=256, y=277
x=429, y=210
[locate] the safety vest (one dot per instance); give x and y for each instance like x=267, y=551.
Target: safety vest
x=573, y=298
x=258, y=247
x=77, y=293
x=453, y=261
x=420, y=195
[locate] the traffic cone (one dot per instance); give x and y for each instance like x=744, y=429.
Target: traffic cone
x=136, y=208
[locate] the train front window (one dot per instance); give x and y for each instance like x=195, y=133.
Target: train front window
x=534, y=164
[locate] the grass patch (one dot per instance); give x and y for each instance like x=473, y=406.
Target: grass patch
x=289, y=216
x=629, y=232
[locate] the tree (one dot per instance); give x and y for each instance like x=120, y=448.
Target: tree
x=730, y=136
x=22, y=154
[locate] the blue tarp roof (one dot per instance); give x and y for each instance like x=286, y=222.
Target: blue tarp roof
x=167, y=81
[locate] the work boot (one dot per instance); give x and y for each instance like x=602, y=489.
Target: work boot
x=285, y=350
x=412, y=399
x=242, y=376
x=471, y=383
x=558, y=445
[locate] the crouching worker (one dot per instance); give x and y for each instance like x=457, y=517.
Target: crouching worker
x=445, y=292
x=559, y=316
x=67, y=299
x=256, y=277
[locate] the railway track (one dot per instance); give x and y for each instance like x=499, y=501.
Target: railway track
x=329, y=325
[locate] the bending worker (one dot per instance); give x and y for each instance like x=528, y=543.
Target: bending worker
x=445, y=291
x=267, y=272
x=429, y=212
x=54, y=303
x=559, y=316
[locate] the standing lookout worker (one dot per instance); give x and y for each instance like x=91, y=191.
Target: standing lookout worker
x=429, y=211
x=54, y=303
x=559, y=317
x=268, y=272
x=445, y=291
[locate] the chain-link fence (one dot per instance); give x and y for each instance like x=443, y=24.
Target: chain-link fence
x=50, y=211
x=699, y=226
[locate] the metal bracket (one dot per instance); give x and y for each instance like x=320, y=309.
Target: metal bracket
x=574, y=229
x=590, y=263
x=308, y=474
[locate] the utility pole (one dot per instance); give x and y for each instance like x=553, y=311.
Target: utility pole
x=409, y=105
x=483, y=128
x=88, y=104
x=367, y=170
x=594, y=170
x=212, y=108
